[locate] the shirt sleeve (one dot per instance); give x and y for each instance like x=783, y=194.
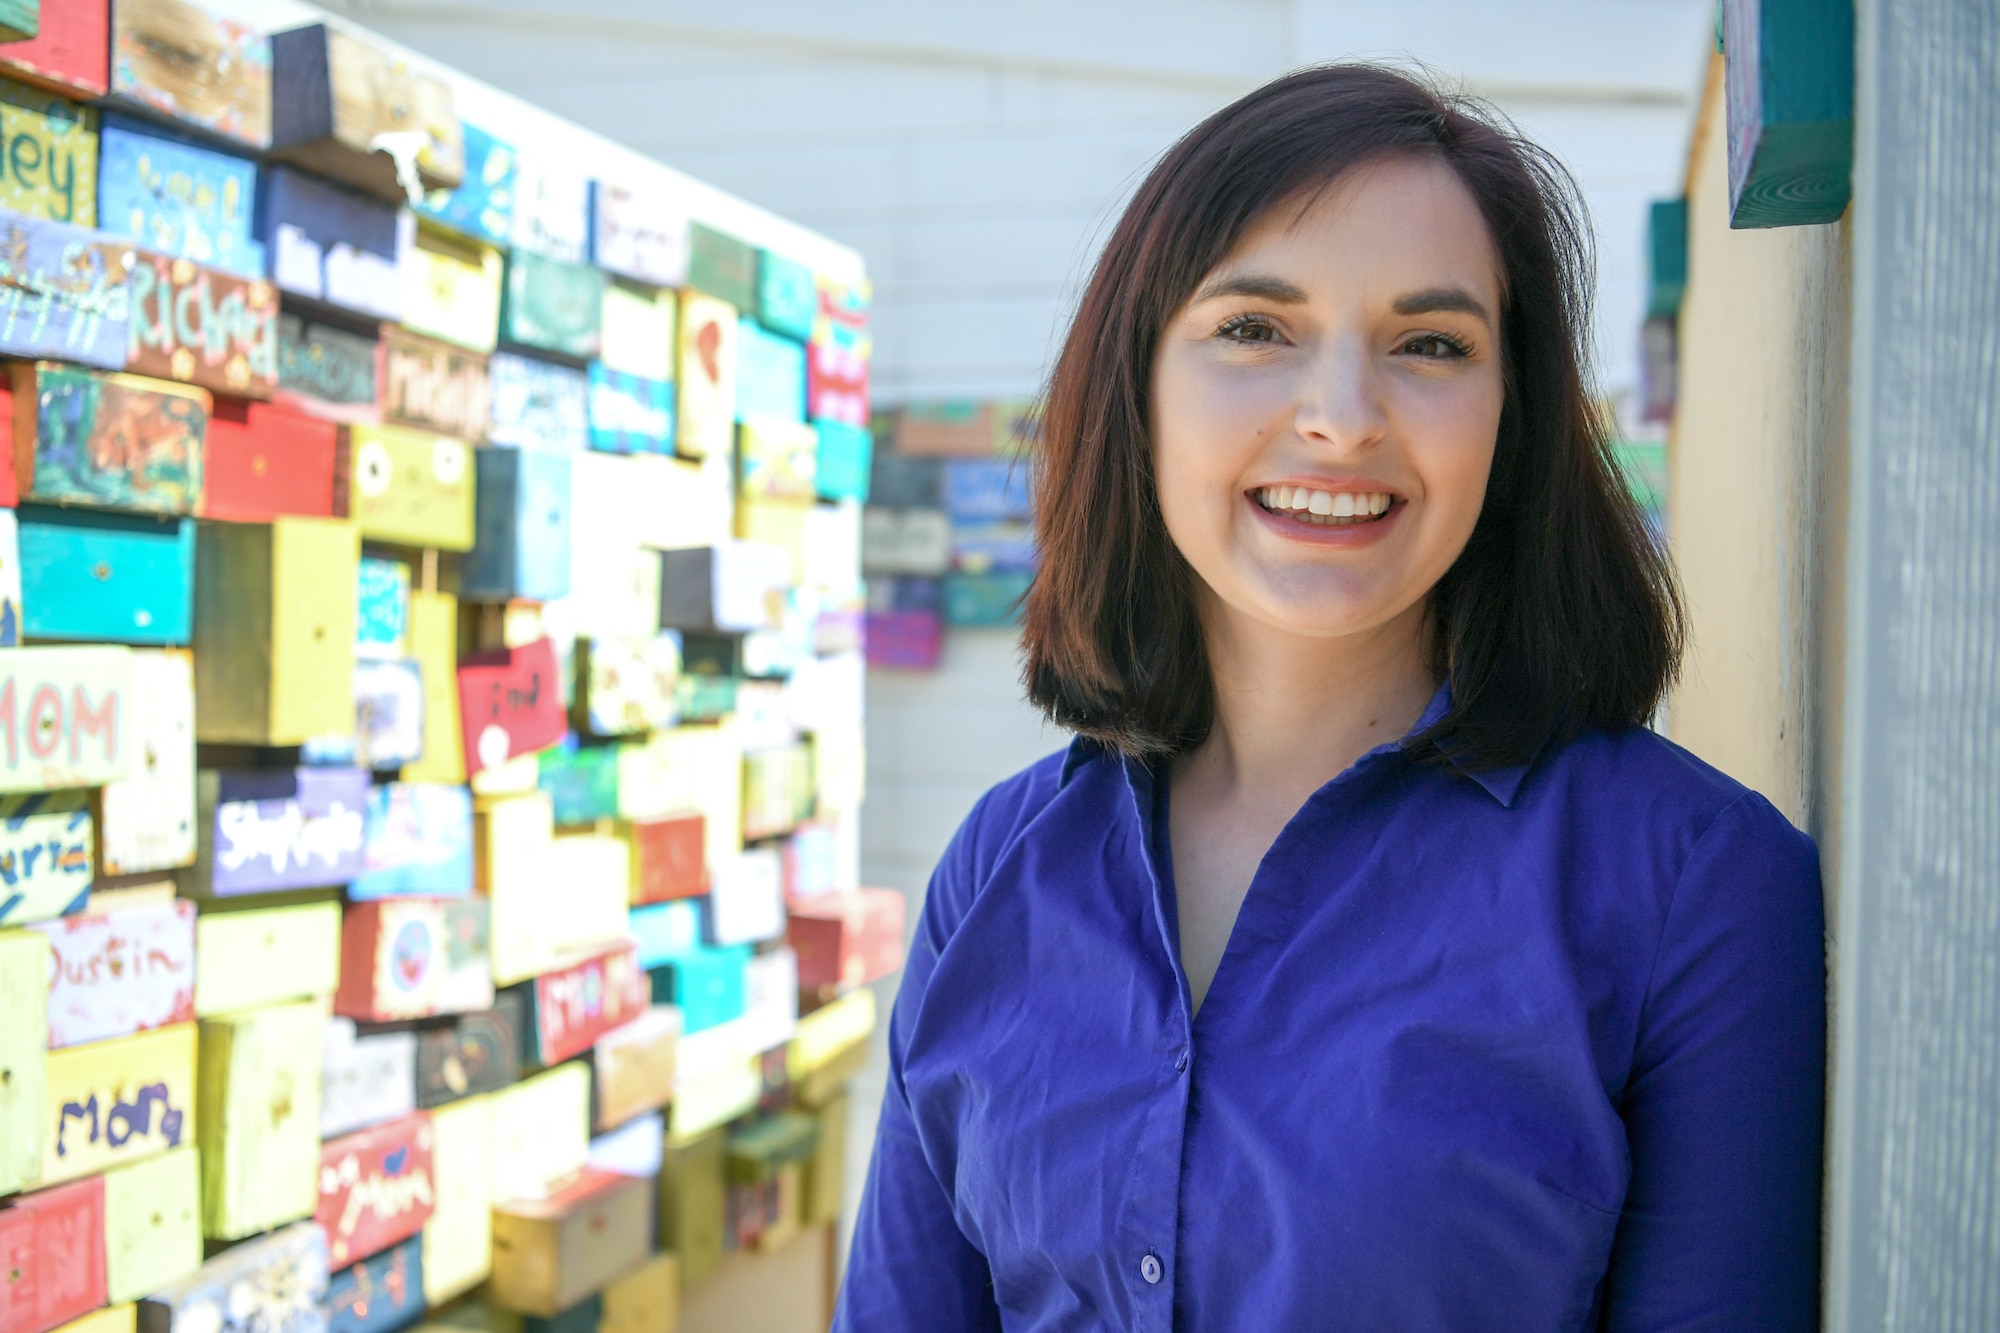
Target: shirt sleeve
x=1724, y=1106
x=910, y=1266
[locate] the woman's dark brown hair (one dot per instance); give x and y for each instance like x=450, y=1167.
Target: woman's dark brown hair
x=1562, y=611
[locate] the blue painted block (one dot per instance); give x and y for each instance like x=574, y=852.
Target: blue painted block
x=418, y=842
x=379, y=1294
x=630, y=414
x=178, y=198
x=521, y=532
x=116, y=578
x=707, y=985
x=383, y=608
x=64, y=292
x=538, y=404
x=994, y=548
x=770, y=374
x=987, y=490
x=482, y=206
x=666, y=931
x=332, y=244
x=787, y=296
x=846, y=461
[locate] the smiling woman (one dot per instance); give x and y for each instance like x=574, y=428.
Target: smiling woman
x=1365, y=962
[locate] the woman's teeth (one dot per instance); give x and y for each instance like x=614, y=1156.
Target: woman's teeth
x=1326, y=508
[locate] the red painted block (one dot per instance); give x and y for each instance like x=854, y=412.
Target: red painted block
x=847, y=939
x=51, y=1256
x=413, y=958
x=376, y=1187
x=667, y=859
x=267, y=462
x=510, y=703
x=72, y=52
x=576, y=1005
x=10, y=488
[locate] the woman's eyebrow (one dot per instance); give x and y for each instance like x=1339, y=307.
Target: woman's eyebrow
x=1432, y=300
x=1257, y=286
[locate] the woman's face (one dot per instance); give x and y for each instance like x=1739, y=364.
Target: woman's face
x=1325, y=407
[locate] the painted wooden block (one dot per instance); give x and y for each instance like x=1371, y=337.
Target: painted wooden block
x=382, y=608
x=376, y=1188
x=283, y=828
x=747, y=899
x=548, y=1254
x=70, y=52
x=837, y=362
x=770, y=374
x=705, y=984
x=112, y=441
x=780, y=525
x=106, y=576
x=475, y=1053
x=551, y=208
x=433, y=385
x=639, y=233
x=582, y=783
x=20, y=20
x=10, y=580
x=645, y=1300
x=59, y=716
x=632, y=1066
x=273, y=1284
x=627, y=686
x=552, y=306
x=1789, y=87
x=388, y=713
x=458, y=1240
x=770, y=1016
x=706, y=377
x=691, y=1204
x=667, y=858
x=365, y=1080
x=845, y=461
x=414, y=958
x=550, y=896
x=25, y=961
x=178, y=199
x=63, y=290
x=988, y=548
x=260, y=1095
x=829, y=1039
x=811, y=862
x=379, y=1294
x=573, y=1006
x=523, y=540
x=411, y=487
x=47, y=841
x=265, y=956
x=451, y=289
x=538, y=405
x=900, y=482
x=510, y=704
x=787, y=297
x=325, y=371
x=418, y=843
x=481, y=206
x=262, y=462
x=52, y=1256
x=722, y=266
x=730, y=587
x=905, y=541
x=52, y=152
x=638, y=330
x=635, y=1148
x=114, y=1102
x=779, y=459
x=274, y=630
x=630, y=414
x=152, y=1224
x=120, y=972
x=688, y=769
x=983, y=601
x=348, y=109
x=987, y=490
x=433, y=641
x=189, y=62
x=109, y=1319
x=333, y=244
x=541, y=1133
x=847, y=940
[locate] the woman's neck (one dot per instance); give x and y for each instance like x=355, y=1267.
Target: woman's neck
x=1292, y=712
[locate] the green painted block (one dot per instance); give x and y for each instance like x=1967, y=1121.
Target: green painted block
x=1667, y=257
x=552, y=306
x=983, y=601
x=787, y=296
x=722, y=266
x=20, y=20
x=1789, y=89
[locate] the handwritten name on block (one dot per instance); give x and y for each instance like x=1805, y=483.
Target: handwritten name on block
x=46, y=851
x=120, y=972
x=63, y=292
x=576, y=1005
x=51, y=151
x=433, y=385
x=203, y=326
x=325, y=371
x=113, y=1102
x=510, y=704
x=376, y=1187
x=282, y=829
x=639, y=234
x=380, y=1293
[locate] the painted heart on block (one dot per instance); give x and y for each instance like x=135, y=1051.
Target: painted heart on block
x=397, y=1162
x=708, y=344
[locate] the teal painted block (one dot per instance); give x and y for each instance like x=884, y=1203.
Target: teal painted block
x=707, y=985
x=770, y=374
x=845, y=462
x=722, y=266
x=106, y=577
x=630, y=414
x=384, y=607
x=666, y=931
x=1789, y=90
x=582, y=783
x=787, y=296
x=551, y=306
x=983, y=601
x=1667, y=257
x=521, y=529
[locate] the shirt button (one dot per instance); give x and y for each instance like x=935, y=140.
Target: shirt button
x=1149, y=1268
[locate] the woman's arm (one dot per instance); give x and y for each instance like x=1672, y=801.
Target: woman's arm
x=1724, y=1106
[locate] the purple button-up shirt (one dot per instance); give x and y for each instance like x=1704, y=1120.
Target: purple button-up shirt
x=1529, y=1049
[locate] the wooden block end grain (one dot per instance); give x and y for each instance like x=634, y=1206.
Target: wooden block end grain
x=259, y=1139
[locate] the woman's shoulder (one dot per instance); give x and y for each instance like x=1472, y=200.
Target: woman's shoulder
x=1010, y=805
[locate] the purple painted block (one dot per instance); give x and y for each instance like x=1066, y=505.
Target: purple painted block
x=283, y=829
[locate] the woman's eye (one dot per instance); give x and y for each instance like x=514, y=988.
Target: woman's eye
x=1434, y=346
x=1248, y=329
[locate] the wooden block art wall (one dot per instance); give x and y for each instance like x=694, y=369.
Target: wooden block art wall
x=430, y=698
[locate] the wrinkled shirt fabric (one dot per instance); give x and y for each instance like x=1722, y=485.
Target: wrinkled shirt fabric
x=1538, y=1048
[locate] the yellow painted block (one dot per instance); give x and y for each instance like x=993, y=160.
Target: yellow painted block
x=688, y=768
x=541, y=1132
x=152, y=1223
x=412, y=487
x=692, y=1204
x=779, y=523
x=111, y=1319
x=274, y=629
x=458, y=1239
x=114, y=1102
x=550, y=896
x=24, y=1054
x=645, y=1300
x=826, y=1169
x=434, y=646
x=830, y=1031
x=260, y=1091
x=265, y=956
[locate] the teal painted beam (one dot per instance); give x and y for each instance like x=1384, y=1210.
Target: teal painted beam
x=20, y=20
x=1790, y=93
x=1667, y=257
